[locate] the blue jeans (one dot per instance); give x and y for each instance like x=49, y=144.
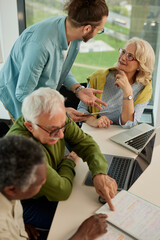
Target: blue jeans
x=39, y=212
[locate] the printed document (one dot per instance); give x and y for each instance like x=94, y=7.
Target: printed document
x=133, y=218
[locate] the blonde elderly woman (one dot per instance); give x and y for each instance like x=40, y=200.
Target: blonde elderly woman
x=127, y=88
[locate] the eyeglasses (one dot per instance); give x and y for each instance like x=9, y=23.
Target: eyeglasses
x=55, y=131
x=100, y=31
x=129, y=56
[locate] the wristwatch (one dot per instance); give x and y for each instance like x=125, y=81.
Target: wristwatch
x=128, y=98
x=78, y=89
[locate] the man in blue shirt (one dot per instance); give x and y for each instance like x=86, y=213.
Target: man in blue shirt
x=45, y=52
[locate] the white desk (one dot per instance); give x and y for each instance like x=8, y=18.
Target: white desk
x=83, y=201
x=147, y=185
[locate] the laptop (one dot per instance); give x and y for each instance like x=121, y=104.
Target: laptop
x=134, y=138
x=127, y=170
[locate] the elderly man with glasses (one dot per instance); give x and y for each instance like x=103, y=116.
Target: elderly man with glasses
x=44, y=119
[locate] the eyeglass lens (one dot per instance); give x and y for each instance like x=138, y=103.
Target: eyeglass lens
x=129, y=56
x=58, y=129
x=101, y=31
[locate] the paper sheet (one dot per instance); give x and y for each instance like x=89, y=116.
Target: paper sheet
x=135, y=216
x=114, y=234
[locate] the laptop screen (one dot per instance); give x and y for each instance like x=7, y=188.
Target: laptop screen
x=146, y=153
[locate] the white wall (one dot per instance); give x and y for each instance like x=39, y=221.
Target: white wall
x=8, y=25
x=9, y=32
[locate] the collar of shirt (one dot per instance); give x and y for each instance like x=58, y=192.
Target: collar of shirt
x=62, y=34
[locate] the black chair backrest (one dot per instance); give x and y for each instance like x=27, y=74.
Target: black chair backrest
x=3, y=129
x=71, y=99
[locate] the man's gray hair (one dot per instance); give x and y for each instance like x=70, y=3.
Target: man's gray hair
x=42, y=100
x=19, y=159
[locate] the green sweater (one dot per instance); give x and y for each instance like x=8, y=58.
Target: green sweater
x=60, y=171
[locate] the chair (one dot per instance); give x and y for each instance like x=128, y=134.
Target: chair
x=3, y=129
x=71, y=99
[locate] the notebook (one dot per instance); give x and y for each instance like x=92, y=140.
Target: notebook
x=127, y=170
x=134, y=138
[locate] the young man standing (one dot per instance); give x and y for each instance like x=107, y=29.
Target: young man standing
x=45, y=52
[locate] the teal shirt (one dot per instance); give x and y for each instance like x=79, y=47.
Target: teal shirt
x=37, y=60
x=60, y=171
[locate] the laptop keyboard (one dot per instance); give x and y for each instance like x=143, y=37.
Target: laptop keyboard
x=139, y=141
x=119, y=169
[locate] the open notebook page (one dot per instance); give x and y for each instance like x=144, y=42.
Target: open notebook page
x=134, y=216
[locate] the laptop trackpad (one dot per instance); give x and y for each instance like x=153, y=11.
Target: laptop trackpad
x=133, y=133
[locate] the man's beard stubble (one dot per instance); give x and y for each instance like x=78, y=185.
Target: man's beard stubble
x=87, y=36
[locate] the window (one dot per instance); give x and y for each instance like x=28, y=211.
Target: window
x=1, y=58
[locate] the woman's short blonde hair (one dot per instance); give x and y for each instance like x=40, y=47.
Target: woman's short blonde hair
x=146, y=58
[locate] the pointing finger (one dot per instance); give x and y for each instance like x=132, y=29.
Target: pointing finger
x=101, y=102
x=109, y=201
x=97, y=91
